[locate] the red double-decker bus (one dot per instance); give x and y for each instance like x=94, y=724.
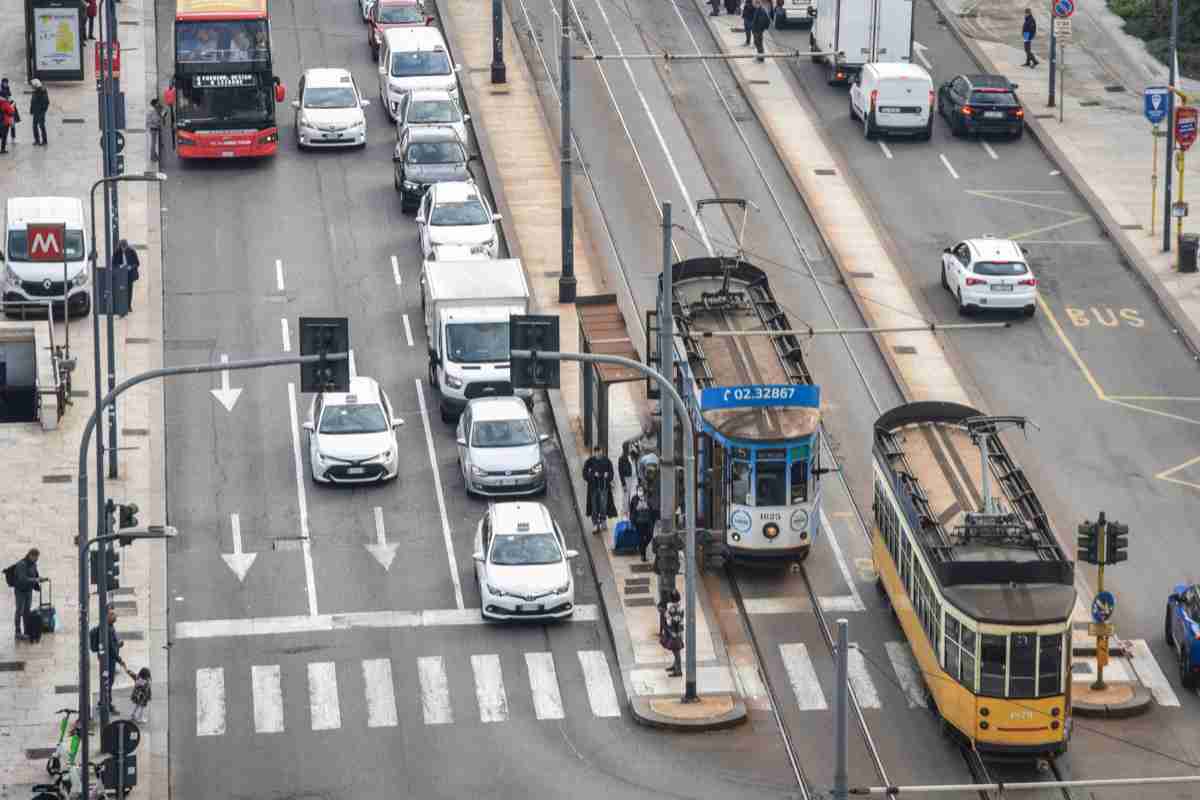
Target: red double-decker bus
x=223, y=94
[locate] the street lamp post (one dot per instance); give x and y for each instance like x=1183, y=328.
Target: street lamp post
x=566, y=279
x=499, y=71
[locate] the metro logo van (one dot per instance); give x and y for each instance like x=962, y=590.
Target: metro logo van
x=44, y=251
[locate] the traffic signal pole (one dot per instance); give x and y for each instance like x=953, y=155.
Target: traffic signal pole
x=1101, y=636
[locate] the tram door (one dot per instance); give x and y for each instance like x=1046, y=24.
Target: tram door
x=716, y=488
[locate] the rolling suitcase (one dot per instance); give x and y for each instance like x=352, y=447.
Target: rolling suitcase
x=33, y=626
x=625, y=538
x=45, y=610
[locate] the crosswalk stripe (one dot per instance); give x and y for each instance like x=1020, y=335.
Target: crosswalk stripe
x=268, y=698
x=489, y=688
x=803, y=677
x=908, y=673
x=381, y=696
x=435, y=691
x=210, y=701
x=860, y=679
x=596, y=676
x=323, y=696
x=543, y=683
x=1146, y=667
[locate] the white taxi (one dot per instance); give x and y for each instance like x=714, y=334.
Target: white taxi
x=457, y=213
x=352, y=435
x=522, y=564
x=329, y=112
x=989, y=273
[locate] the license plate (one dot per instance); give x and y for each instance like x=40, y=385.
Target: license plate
x=530, y=607
x=226, y=154
x=355, y=471
x=1002, y=287
x=993, y=114
x=330, y=135
x=889, y=110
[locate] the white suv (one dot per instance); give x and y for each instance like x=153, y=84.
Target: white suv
x=989, y=273
x=412, y=59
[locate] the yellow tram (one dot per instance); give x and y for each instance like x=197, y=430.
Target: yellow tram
x=981, y=587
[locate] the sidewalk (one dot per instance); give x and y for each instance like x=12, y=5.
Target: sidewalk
x=39, y=469
x=519, y=149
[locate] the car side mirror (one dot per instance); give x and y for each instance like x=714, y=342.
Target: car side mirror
x=1175, y=598
x=461, y=441
x=496, y=217
x=1024, y=251
x=466, y=117
x=397, y=422
x=308, y=426
x=543, y=437
x=295, y=104
x=946, y=250
x=572, y=554
x=419, y=219
x=1013, y=86
x=397, y=158
x=473, y=157
x=478, y=556
x=458, y=67
x=364, y=102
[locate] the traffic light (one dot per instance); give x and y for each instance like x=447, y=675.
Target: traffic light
x=1116, y=541
x=128, y=514
x=321, y=336
x=534, y=332
x=114, y=568
x=1088, y=544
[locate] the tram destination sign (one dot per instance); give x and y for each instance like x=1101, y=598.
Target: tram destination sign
x=760, y=396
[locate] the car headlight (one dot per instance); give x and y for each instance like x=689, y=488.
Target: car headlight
x=412, y=187
x=10, y=275
x=561, y=589
x=320, y=458
x=495, y=591
x=536, y=469
x=477, y=472
x=453, y=381
x=384, y=457
x=303, y=122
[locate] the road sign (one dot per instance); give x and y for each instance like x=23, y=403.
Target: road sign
x=1154, y=100
x=1101, y=629
x=1062, y=29
x=120, y=735
x=1064, y=8
x=45, y=242
x=1102, y=606
x=759, y=395
x=1185, y=126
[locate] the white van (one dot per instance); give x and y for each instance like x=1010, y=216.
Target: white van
x=37, y=261
x=412, y=59
x=893, y=98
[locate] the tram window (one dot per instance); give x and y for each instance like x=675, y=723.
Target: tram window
x=770, y=486
x=740, y=483
x=799, y=482
x=1050, y=664
x=993, y=658
x=1023, y=665
x=951, y=658
x=968, y=658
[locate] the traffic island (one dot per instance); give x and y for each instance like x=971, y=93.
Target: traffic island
x=1116, y=700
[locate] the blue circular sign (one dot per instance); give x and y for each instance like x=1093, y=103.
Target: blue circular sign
x=1064, y=8
x=740, y=520
x=1103, y=606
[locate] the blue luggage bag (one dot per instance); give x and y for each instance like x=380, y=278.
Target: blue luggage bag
x=625, y=538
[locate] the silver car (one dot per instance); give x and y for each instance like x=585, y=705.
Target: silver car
x=499, y=448
x=431, y=107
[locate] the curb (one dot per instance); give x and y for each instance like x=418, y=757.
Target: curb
x=1139, y=704
x=1112, y=229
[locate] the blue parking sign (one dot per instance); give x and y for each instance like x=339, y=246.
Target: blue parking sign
x=1157, y=99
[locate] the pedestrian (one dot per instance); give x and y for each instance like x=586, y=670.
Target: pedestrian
x=6, y=93
x=1028, y=31
x=761, y=21
x=732, y=6
x=91, y=9
x=8, y=115
x=643, y=515
x=598, y=474
x=625, y=472
x=38, y=106
x=154, y=123
x=716, y=8
x=24, y=580
x=109, y=657
x=126, y=258
x=748, y=19
x=141, y=694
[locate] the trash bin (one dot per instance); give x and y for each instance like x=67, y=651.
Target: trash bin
x=1189, y=243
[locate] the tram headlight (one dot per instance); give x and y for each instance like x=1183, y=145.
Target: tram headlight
x=983, y=726
x=737, y=537
x=771, y=531
x=1054, y=712
x=1054, y=725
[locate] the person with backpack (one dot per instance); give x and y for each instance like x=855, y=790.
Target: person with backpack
x=24, y=579
x=643, y=515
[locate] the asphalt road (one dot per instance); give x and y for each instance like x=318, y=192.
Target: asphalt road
x=250, y=248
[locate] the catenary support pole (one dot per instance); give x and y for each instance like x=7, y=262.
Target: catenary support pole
x=112, y=209
x=841, y=705
x=499, y=71
x=1053, y=57
x=666, y=474
x=1171, y=104
x=566, y=279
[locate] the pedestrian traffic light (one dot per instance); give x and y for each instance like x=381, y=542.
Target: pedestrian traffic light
x=322, y=336
x=1088, y=545
x=536, y=333
x=128, y=515
x=114, y=567
x=1116, y=541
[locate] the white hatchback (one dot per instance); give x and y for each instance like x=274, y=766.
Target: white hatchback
x=329, y=112
x=989, y=273
x=457, y=213
x=352, y=435
x=522, y=564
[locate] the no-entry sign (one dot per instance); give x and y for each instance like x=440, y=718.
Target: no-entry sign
x=1185, y=126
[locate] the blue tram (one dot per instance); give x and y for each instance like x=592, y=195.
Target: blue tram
x=755, y=409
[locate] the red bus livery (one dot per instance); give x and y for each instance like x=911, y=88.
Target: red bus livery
x=223, y=94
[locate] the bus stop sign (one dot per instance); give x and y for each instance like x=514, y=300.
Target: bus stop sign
x=1155, y=103
x=1185, y=126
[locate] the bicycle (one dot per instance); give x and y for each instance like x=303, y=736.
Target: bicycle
x=67, y=747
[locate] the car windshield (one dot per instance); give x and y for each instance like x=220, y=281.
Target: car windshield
x=433, y=111
x=435, y=153
x=502, y=433
x=397, y=13
x=468, y=212
x=476, y=342
x=526, y=548
x=329, y=97
x=337, y=420
x=236, y=41
x=18, y=246
x=1000, y=268
x=993, y=99
x=418, y=64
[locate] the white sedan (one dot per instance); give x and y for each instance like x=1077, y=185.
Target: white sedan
x=989, y=273
x=522, y=564
x=352, y=435
x=329, y=112
x=457, y=213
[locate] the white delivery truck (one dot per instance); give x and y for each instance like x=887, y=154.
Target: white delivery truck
x=795, y=12
x=858, y=32
x=466, y=306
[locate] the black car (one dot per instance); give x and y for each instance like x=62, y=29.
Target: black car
x=424, y=156
x=981, y=104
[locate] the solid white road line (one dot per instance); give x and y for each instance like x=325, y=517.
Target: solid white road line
x=268, y=698
x=435, y=691
x=946, y=161
x=489, y=688
x=803, y=677
x=887, y=152
x=860, y=679
x=323, y=623
x=381, y=694
x=838, y=603
x=353, y=366
x=279, y=274
x=543, y=683
x=396, y=270
x=287, y=336
x=210, y=701
x=777, y=605
x=1147, y=669
x=305, y=545
x=602, y=696
x=989, y=149
x=908, y=673
x=407, y=330
x=323, y=696
x=437, y=485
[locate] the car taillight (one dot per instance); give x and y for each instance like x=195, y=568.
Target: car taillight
x=975, y=281
x=1029, y=282
x=874, y=97
x=967, y=111
x=931, y=99
x=1019, y=113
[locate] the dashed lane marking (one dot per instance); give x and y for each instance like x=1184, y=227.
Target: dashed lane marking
x=886, y=150
x=396, y=271
x=287, y=336
x=989, y=150
x=279, y=274
x=407, y=330
x=302, y=499
x=949, y=168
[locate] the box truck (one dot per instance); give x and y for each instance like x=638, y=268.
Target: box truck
x=850, y=33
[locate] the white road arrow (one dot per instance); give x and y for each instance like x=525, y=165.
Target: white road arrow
x=920, y=49
x=238, y=561
x=384, y=553
x=226, y=396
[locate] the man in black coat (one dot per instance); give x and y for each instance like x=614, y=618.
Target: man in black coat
x=38, y=106
x=759, y=25
x=26, y=582
x=1028, y=31
x=643, y=515
x=125, y=257
x=748, y=9
x=598, y=473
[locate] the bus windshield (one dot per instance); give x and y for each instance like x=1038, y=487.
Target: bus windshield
x=195, y=102
x=233, y=41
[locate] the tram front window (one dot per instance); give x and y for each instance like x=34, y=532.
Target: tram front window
x=1022, y=665
x=799, y=482
x=740, y=483
x=993, y=658
x=770, y=484
x=1050, y=664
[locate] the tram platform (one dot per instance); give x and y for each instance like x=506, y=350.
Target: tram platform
x=518, y=147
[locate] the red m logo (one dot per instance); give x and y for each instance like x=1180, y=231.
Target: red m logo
x=46, y=242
